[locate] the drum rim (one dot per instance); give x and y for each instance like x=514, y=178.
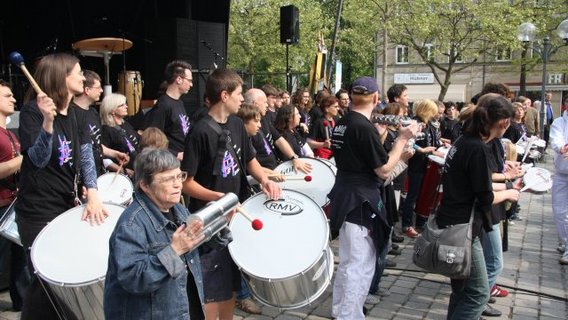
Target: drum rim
x=317, y=160
x=63, y=283
x=323, y=250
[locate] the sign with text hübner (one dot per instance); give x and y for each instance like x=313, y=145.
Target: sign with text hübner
x=412, y=78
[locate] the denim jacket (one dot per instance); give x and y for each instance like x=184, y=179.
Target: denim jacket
x=146, y=279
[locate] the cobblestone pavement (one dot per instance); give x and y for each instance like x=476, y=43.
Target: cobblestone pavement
x=537, y=282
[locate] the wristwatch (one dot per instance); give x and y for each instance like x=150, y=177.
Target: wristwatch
x=294, y=157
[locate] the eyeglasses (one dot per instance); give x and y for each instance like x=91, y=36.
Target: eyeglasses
x=188, y=79
x=171, y=179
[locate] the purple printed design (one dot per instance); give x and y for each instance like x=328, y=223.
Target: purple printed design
x=129, y=145
x=184, y=122
x=267, y=148
x=65, y=151
x=229, y=167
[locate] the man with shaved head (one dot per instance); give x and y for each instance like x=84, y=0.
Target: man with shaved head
x=268, y=137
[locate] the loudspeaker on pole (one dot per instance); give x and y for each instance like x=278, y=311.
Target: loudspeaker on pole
x=289, y=24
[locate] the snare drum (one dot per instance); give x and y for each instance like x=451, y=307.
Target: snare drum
x=130, y=85
x=537, y=179
x=429, y=196
x=118, y=191
x=288, y=263
x=70, y=256
x=8, y=226
x=318, y=188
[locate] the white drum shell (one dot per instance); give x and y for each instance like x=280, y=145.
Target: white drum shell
x=71, y=258
x=288, y=263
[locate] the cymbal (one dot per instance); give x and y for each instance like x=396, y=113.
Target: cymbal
x=103, y=45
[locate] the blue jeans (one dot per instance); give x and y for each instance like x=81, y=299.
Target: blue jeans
x=244, y=292
x=414, y=184
x=379, y=270
x=493, y=253
x=469, y=296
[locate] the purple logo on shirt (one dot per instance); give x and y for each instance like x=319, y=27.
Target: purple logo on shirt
x=266, y=146
x=229, y=167
x=129, y=145
x=184, y=122
x=65, y=151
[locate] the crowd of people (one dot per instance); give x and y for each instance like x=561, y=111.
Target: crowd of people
x=155, y=268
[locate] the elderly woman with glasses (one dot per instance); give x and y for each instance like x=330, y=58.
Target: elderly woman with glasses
x=153, y=268
x=116, y=133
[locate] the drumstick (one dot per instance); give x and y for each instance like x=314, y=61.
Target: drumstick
x=326, y=124
x=17, y=59
x=256, y=224
x=116, y=174
x=305, y=178
x=530, y=142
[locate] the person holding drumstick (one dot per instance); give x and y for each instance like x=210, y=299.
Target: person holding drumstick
x=217, y=156
x=357, y=210
x=117, y=133
x=56, y=148
x=322, y=128
x=153, y=267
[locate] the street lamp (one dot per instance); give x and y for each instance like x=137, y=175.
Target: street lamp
x=526, y=34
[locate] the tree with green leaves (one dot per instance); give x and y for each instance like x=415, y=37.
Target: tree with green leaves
x=254, y=38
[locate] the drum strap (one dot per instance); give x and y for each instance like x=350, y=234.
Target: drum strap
x=224, y=143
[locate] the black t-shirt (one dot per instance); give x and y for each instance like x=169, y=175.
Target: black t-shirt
x=318, y=133
x=200, y=157
x=270, y=116
x=515, y=131
x=446, y=128
x=466, y=178
x=419, y=161
x=356, y=145
x=47, y=192
x=497, y=165
x=263, y=143
x=92, y=120
x=295, y=141
x=169, y=116
x=122, y=138
x=357, y=149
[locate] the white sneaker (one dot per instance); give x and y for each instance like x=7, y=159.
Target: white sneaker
x=561, y=248
x=564, y=259
x=372, y=299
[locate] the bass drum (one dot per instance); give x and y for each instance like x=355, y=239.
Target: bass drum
x=288, y=263
x=130, y=84
x=70, y=257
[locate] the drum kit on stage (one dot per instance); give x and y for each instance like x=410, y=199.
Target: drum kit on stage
x=130, y=83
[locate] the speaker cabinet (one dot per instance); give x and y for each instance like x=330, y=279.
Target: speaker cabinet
x=289, y=24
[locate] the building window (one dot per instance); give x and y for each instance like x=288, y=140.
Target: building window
x=504, y=54
x=459, y=58
x=401, y=54
x=429, y=52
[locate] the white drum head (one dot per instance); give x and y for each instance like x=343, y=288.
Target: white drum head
x=117, y=192
x=436, y=159
x=538, y=179
x=330, y=164
x=294, y=235
x=318, y=188
x=540, y=143
x=71, y=252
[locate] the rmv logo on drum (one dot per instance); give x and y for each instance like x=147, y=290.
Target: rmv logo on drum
x=283, y=207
